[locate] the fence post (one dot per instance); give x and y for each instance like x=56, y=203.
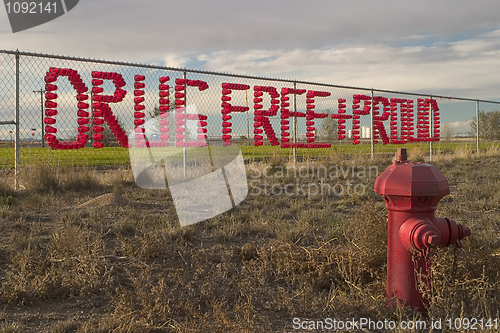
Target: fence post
x=17, y=144
x=184, y=149
x=372, y=131
x=477, y=128
x=431, y=114
x=294, y=148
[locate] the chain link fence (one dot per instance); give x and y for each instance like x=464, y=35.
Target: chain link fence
x=271, y=116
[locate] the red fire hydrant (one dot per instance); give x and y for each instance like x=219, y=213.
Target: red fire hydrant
x=411, y=191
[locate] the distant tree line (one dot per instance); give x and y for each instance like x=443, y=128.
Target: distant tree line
x=489, y=125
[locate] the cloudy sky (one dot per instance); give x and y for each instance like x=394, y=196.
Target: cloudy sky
x=439, y=47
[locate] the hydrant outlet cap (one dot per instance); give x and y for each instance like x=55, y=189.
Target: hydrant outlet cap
x=466, y=231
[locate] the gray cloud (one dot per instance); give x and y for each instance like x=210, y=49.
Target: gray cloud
x=153, y=27
x=405, y=44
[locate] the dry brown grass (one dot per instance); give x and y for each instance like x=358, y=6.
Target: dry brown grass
x=131, y=268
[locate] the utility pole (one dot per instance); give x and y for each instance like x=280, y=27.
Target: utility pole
x=41, y=92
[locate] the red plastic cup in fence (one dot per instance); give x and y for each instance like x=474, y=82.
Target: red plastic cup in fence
x=139, y=122
x=119, y=83
x=83, y=129
x=50, y=104
x=50, y=95
x=98, y=121
x=50, y=137
x=139, y=100
x=50, y=129
x=97, y=90
x=82, y=113
x=139, y=85
x=83, y=121
x=180, y=81
x=82, y=105
x=50, y=78
x=50, y=87
x=81, y=97
x=118, y=95
x=97, y=75
x=82, y=137
x=50, y=112
x=49, y=121
x=138, y=92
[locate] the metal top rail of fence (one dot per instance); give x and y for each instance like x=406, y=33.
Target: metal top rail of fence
x=303, y=121
x=243, y=76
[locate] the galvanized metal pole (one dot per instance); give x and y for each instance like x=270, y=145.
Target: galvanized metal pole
x=372, y=131
x=248, y=119
x=184, y=153
x=431, y=114
x=41, y=115
x=41, y=91
x=477, y=128
x=91, y=139
x=17, y=144
x=294, y=149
